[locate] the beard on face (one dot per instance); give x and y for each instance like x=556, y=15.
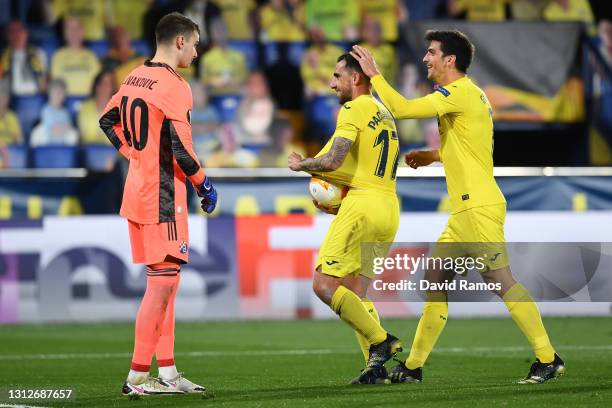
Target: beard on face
x=344, y=97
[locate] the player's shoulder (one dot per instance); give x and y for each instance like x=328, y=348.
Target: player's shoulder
x=361, y=103
x=165, y=78
x=454, y=89
x=441, y=90
x=351, y=110
x=347, y=106
x=364, y=110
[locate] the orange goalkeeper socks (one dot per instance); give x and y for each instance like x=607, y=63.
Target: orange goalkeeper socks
x=164, y=352
x=162, y=283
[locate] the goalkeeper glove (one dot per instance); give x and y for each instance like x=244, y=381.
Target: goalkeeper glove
x=208, y=194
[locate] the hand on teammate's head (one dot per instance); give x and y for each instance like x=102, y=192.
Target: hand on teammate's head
x=368, y=65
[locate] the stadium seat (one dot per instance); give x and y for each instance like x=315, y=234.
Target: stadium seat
x=254, y=148
x=100, y=48
x=28, y=110
x=54, y=157
x=249, y=49
x=73, y=104
x=142, y=47
x=346, y=46
x=295, y=50
x=226, y=106
x=45, y=38
x=99, y=157
x=605, y=112
x=321, y=113
x=18, y=156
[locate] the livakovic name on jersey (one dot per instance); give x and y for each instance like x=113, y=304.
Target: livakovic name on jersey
x=139, y=82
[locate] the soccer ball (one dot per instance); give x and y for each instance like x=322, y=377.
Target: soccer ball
x=325, y=193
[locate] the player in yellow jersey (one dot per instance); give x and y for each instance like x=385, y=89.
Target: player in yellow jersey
x=478, y=208
x=362, y=154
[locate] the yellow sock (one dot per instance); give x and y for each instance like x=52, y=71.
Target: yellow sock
x=526, y=315
x=431, y=324
x=363, y=343
x=350, y=309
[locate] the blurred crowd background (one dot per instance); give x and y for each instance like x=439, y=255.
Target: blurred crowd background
x=260, y=83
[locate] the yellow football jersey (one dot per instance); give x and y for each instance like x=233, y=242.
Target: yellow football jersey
x=372, y=161
x=385, y=12
x=465, y=121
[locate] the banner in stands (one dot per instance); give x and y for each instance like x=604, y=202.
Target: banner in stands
x=423, y=194
x=33, y=199
x=529, y=71
x=79, y=268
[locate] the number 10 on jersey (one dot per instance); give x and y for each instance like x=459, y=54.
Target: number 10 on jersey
x=139, y=142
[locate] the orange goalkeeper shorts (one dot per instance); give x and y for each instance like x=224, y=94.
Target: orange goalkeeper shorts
x=154, y=243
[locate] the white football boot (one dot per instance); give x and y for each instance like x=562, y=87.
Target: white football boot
x=151, y=386
x=184, y=385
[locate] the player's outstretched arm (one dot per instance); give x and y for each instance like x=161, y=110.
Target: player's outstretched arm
x=418, y=158
x=400, y=107
x=329, y=161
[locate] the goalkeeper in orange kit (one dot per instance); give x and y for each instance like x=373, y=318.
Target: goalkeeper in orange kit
x=149, y=121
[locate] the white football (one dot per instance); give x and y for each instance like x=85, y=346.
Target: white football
x=326, y=193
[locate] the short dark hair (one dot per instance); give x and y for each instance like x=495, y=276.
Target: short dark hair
x=352, y=64
x=454, y=42
x=172, y=25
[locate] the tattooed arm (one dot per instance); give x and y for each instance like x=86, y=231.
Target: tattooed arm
x=330, y=161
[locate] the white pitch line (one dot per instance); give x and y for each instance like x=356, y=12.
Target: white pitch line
x=92, y=356
x=20, y=406
x=604, y=347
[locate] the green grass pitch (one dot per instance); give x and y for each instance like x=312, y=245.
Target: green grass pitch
x=309, y=363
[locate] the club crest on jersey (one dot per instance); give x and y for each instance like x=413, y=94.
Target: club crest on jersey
x=442, y=90
x=183, y=247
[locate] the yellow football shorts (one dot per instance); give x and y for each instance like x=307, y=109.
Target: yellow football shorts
x=476, y=232
x=365, y=217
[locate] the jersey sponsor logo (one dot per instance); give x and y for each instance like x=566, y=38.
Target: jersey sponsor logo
x=183, y=247
x=465, y=197
x=442, y=90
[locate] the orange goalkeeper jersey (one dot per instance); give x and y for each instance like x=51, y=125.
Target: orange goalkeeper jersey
x=148, y=121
